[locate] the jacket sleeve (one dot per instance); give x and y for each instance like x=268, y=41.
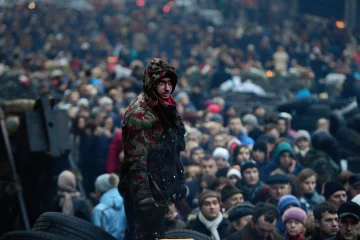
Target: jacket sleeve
x=96, y=218
x=113, y=161
x=136, y=136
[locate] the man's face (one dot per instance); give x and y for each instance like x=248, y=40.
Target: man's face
x=348, y=228
x=193, y=137
x=234, y=199
x=197, y=156
x=279, y=190
x=282, y=125
x=251, y=176
x=285, y=160
x=208, y=167
x=338, y=198
x=235, y=125
x=239, y=224
x=219, y=141
x=164, y=88
x=221, y=162
x=210, y=208
x=259, y=156
x=308, y=186
x=303, y=143
x=263, y=229
x=328, y=225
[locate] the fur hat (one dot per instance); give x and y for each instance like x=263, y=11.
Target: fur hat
x=294, y=213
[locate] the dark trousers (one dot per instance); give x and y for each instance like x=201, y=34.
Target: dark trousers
x=140, y=225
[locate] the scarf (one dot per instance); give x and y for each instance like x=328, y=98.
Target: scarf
x=67, y=186
x=300, y=237
x=212, y=225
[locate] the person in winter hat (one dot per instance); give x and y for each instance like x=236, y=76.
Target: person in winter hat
x=334, y=192
x=286, y=202
x=210, y=220
x=230, y=195
x=153, y=136
x=109, y=213
x=294, y=219
x=239, y=215
x=221, y=156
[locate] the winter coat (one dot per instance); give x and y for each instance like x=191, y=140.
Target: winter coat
x=198, y=226
x=113, y=160
x=248, y=233
x=251, y=193
x=310, y=201
x=153, y=136
x=109, y=214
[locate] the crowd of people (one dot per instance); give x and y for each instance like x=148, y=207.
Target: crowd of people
x=248, y=173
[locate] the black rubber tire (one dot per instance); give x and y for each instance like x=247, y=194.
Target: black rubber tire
x=69, y=226
x=186, y=233
x=30, y=235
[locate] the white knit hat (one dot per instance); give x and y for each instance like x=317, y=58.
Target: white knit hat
x=302, y=134
x=233, y=172
x=220, y=152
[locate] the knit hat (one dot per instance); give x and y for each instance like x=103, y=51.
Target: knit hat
x=286, y=201
x=106, y=100
x=302, y=134
x=285, y=115
x=214, y=108
x=105, y=182
x=228, y=191
x=280, y=148
x=240, y=210
x=248, y=164
x=332, y=187
x=220, y=152
x=250, y=119
x=232, y=144
x=261, y=146
x=233, y=172
x=206, y=194
x=294, y=213
x=216, y=118
x=83, y=101
x=278, y=179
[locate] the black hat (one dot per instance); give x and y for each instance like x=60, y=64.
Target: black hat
x=240, y=210
x=354, y=180
x=248, y=164
x=261, y=146
x=332, y=187
x=228, y=191
x=278, y=179
x=349, y=209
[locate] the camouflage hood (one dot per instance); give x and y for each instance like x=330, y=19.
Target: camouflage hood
x=155, y=70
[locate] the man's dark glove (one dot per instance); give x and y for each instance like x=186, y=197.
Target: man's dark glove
x=146, y=204
x=182, y=193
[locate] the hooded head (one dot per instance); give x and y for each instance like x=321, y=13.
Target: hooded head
x=156, y=69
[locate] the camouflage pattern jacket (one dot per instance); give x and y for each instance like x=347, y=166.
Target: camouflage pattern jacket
x=153, y=136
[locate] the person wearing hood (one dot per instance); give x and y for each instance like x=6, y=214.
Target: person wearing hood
x=109, y=213
x=283, y=160
x=152, y=174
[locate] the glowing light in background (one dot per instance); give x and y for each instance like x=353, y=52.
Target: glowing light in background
x=340, y=24
x=140, y=3
x=269, y=74
x=112, y=59
x=32, y=5
x=166, y=8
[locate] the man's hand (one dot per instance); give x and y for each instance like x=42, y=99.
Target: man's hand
x=146, y=204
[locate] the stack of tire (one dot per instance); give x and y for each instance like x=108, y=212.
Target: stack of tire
x=58, y=226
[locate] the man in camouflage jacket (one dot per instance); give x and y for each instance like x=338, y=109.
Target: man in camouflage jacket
x=153, y=136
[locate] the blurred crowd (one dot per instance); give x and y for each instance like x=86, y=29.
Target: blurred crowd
x=251, y=163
